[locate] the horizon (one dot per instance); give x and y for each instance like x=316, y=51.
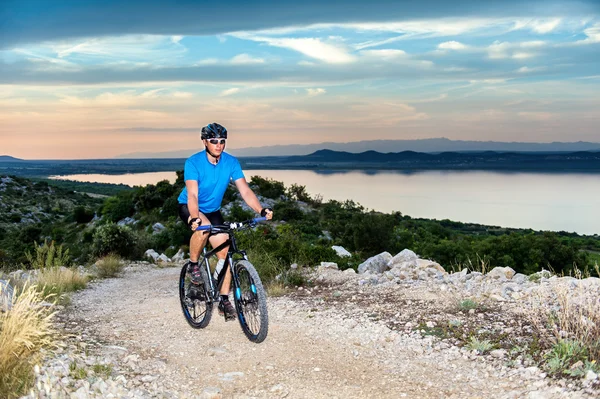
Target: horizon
x=100, y=79
x=136, y=156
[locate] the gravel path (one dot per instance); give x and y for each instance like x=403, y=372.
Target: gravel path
x=134, y=326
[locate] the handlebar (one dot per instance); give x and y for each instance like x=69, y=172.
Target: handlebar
x=232, y=226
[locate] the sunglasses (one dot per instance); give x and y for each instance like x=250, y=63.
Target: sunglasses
x=215, y=141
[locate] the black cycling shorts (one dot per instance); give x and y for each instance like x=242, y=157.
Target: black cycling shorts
x=213, y=217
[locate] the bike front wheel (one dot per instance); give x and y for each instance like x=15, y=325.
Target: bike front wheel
x=251, y=302
x=195, y=304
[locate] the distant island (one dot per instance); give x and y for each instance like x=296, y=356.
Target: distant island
x=580, y=161
x=433, y=145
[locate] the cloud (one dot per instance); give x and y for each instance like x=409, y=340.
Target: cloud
x=311, y=47
x=541, y=26
x=451, y=45
x=229, y=92
x=242, y=59
x=315, y=92
x=526, y=69
x=24, y=21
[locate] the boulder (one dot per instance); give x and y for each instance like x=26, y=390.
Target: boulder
x=328, y=265
x=501, y=273
x=125, y=222
x=152, y=254
x=164, y=258
x=157, y=227
x=341, y=251
x=428, y=264
x=375, y=264
x=6, y=295
x=179, y=256
x=405, y=256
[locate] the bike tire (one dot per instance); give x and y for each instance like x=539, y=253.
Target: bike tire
x=251, y=302
x=197, y=311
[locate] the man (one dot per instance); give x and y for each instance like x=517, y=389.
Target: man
x=207, y=175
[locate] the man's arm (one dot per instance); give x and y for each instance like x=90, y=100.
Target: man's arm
x=249, y=197
x=192, y=200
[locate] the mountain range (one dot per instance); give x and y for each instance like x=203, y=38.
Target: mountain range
x=435, y=145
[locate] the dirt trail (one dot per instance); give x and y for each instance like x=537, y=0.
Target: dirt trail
x=309, y=352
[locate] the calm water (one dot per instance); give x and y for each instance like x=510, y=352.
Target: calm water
x=569, y=202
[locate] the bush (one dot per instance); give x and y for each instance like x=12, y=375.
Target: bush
x=238, y=214
x=48, y=255
x=112, y=238
x=25, y=330
x=267, y=187
x=109, y=266
x=118, y=207
x=82, y=214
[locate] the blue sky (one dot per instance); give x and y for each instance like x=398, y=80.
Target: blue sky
x=97, y=79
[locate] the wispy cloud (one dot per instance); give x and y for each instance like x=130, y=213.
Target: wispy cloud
x=311, y=47
x=451, y=45
x=229, y=92
x=315, y=92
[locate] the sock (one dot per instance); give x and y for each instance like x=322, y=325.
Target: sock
x=224, y=297
x=218, y=268
x=192, y=265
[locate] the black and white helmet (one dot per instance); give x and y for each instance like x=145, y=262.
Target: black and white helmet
x=213, y=131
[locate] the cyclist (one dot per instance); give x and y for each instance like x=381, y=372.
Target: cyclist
x=207, y=175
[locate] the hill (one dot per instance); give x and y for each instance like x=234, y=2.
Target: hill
x=8, y=158
x=433, y=145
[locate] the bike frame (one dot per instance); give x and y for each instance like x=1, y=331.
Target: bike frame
x=213, y=292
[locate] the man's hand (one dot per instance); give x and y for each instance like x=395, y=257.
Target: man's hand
x=193, y=223
x=267, y=212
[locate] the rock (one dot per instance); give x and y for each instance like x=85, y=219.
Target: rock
x=375, y=264
x=349, y=271
x=429, y=264
x=152, y=254
x=498, y=353
x=179, y=256
x=341, y=251
x=163, y=258
x=404, y=256
x=328, y=265
x=157, y=227
x=211, y=393
x=501, y=273
x=126, y=221
x=591, y=376
x=6, y=296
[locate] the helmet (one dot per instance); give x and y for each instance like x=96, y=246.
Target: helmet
x=213, y=131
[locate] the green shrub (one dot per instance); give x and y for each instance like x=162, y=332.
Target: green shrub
x=48, y=255
x=564, y=354
x=112, y=238
x=238, y=214
x=82, y=214
x=267, y=187
x=118, y=207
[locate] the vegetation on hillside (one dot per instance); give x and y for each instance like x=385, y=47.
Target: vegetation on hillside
x=305, y=228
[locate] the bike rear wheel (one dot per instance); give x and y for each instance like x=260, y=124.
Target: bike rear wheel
x=195, y=304
x=251, y=302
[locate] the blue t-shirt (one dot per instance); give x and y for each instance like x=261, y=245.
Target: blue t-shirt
x=212, y=179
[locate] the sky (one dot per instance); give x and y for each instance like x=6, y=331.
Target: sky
x=98, y=79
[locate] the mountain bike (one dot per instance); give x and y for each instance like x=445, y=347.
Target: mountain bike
x=249, y=296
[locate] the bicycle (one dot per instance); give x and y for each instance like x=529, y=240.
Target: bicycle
x=249, y=295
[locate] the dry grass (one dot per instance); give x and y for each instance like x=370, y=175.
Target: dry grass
x=565, y=314
x=58, y=281
x=277, y=288
x=109, y=266
x=24, y=331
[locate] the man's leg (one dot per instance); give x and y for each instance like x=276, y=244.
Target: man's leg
x=197, y=243
x=225, y=306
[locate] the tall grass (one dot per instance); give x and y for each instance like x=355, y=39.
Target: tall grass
x=58, y=281
x=109, y=266
x=24, y=330
x=572, y=316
